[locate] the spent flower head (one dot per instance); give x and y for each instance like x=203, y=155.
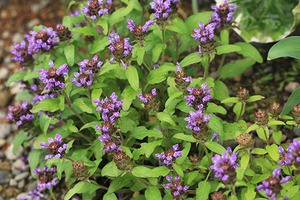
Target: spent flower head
x=56, y=148
x=63, y=33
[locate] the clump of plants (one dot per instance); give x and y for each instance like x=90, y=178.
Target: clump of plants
x=118, y=103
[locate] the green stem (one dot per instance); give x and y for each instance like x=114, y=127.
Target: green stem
x=240, y=114
x=72, y=108
x=195, y=6
x=176, y=50
x=251, y=162
x=206, y=152
x=163, y=42
x=267, y=138
x=52, y=194
x=206, y=70
x=88, y=93
x=163, y=132
x=148, y=60
x=232, y=189
x=100, y=186
x=85, y=137
x=69, y=159
x=220, y=66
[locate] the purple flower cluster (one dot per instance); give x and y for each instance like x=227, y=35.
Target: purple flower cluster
x=149, y=101
x=120, y=48
x=22, y=53
x=145, y=99
x=198, y=96
x=77, y=14
x=96, y=8
x=286, y=157
x=205, y=35
x=54, y=78
x=177, y=188
x=42, y=40
x=162, y=9
x=55, y=147
x=20, y=114
x=133, y=28
x=110, y=146
x=170, y=155
x=197, y=120
x=222, y=15
x=225, y=166
x=91, y=67
x=183, y=76
x=46, y=177
x=32, y=195
x=82, y=79
x=272, y=185
x=110, y=108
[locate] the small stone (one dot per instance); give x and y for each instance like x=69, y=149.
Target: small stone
x=7, y=60
x=5, y=165
x=18, y=164
x=17, y=38
x=13, y=182
x=4, y=96
x=21, y=184
x=22, y=195
x=291, y=86
x=2, y=142
x=10, y=192
x=10, y=154
x=4, y=73
x=268, y=70
x=5, y=34
x=15, y=171
x=33, y=22
x=21, y=176
x=16, y=89
x=238, y=78
x=5, y=130
x=3, y=176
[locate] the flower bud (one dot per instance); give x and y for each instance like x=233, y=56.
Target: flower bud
x=243, y=95
x=275, y=109
x=296, y=113
x=218, y=196
x=245, y=140
x=80, y=170
x=123, y=162
x=261, y=117
x=63, y=33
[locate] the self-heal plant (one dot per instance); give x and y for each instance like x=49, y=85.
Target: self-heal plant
x=22, y=54
x=46, y=177
x=139, y=31
x=110, y=147
x=56, y=148
x=170, y=155
x=178, y=190
x=182, y=80
x=96, y=8
x=198, y=96
x=222, y=15
x=21, y=115
x=91, y=67
x=82, y=80
x=149, y=100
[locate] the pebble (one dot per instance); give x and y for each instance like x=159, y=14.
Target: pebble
x=2, y=142
x=6, y=60
x=3, y=176
x=16, y=89
x=17, y=38
x=18, y=164
x=13, y=182
x=10, y=154
x=21, y=184
x=21, y=176
x=10, y=192
x=15, y=171
x=5, y=34
x=5, y=166
x=5, y=130
x=32, y=23
x=4, y=73
x=22, y=195
x=4, y=96
x=291, y=86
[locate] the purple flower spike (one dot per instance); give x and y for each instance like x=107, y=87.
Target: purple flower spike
x=56, y=149
x=43, y=40
x=198, y=96
x=162, y=9
x=294, y=148
x=54, y=78
x=22, y=54
x=224, y=167
x=197, y=120
x=222, y=16
x=110, y=146
x=21, y=115
x=139, y=31
x=91, y=67
x=176, y=187
x=46, y=179
x=286, y=158
x=96, y=8
x=82, y=80
x=170, y=155
x=272, y=185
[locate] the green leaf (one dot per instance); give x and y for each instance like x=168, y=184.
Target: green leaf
x=160, y=74
x=69, y=52
x=237, y=109
x=277, y=136
x=144, y=172
x=110, y=170
x=46, y=105
x=214, y=108
x=185, y=152
x=152, y=193
x=193, y=21
x=224, y=36
x=84, y=104
x=250, y=194
x=141, y=132
x=178, y=169
x=87, y=30
x=139, y=53
x=156, y=51
x=275, y=122
x=190, y=59
x=184, y=137
x=230, y=100
x=67, y=21
x=273, y=151
x=119, y=183
x=128, y=95
x=259, y=151
x=294, y=99
x=227, y=49
x=288, y=47
x=119, y=14
x=90, y=124
x=18, y=140
x=148, y=148
x=98, y=45
x=165, y=118
x=17, y=76
x=244, y=163
x=34, y=159
x=44, y=122
x=203, y=190
x=215, y=147
x=220, y=91
x=216, y=125
x=110, y=197
x=103, y=23
x=255, y=98
x=31, y=75
x=233, y=69
x=74, y=190
x=132, y=77
x=250, y=51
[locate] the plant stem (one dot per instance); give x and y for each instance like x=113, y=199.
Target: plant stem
x=148, y=60
x=176, y=50
x=69, y=159
x=195, y=6
x=72, y=108
x=267, y=138
x=85, y=137
x=251, y=162
x=163, y=42
x=220, y=66
x=52, y=194
x=240, y=114
x=163, y=132
x=206, y=70
x=232, y=189
x=206, y=152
